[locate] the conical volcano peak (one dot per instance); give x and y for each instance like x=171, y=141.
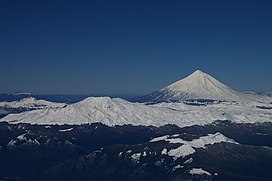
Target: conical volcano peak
x=198, y=85
x=196, y=81
x=199, y=74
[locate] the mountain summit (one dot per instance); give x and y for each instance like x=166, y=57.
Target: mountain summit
x=198, y=85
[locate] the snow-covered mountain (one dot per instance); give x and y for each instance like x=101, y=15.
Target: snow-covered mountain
x=117, y=111
x=200, y=85
x=30, y=103
x=98, y=109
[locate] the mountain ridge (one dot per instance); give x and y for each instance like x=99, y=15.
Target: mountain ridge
x=116, y=111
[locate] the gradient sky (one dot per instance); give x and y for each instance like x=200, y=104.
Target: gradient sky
x=116, y=47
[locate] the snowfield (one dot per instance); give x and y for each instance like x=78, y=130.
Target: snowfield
x=119, y=112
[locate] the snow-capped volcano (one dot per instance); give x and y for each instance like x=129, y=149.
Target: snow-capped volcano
x=199, y=85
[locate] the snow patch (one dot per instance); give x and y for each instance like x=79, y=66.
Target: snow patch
x=120, y=154
x=189, y=161
x=164, y=151
x=177, y=167
x=181, y=151
x=144, y=154
x=198, y=171
x=129, y=151
x=136, y=156
x=188, y=147
x=22, y=137
x=23, y=140
x=66, y=130
x=161, y=138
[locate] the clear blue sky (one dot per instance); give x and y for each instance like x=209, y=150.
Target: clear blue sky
x=109, y=47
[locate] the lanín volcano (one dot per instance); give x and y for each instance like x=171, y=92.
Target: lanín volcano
x=199, y=85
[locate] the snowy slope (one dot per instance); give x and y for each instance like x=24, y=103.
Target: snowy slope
x=97, y=109
x=119, y=112
x=30, y=103
x=188, y=147
x=200, y=85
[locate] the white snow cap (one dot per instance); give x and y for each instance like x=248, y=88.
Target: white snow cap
x=200, y=85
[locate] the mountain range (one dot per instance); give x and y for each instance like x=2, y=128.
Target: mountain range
x=196, y=99
x=194, y=129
